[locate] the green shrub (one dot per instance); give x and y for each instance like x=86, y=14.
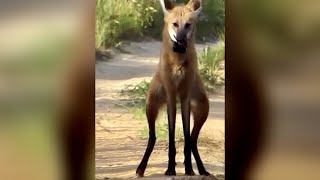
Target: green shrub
x=211, y=21
x=211, y=66
x=118, y=19
x=137, y=93
x=130, y=19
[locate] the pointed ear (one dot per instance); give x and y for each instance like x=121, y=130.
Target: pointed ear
x=196, y=6
x=166, y=6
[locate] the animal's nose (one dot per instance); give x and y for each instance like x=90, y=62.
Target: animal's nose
x=181, y=36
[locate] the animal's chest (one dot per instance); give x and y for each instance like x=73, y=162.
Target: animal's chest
x=178, y=75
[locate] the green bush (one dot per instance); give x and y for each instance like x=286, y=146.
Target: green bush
x=117, y=19
x=128, y=19
x=137, y=92
x=211, y=21
x=211, y=66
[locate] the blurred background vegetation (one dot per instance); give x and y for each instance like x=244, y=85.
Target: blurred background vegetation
x=118, y=20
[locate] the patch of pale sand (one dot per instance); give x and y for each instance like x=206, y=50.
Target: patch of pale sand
x=118, y=149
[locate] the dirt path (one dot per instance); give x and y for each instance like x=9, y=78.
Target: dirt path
x=118, y=148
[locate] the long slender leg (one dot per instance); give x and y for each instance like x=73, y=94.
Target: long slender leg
x=152, y=140
x=185, y=109
x=156, y=98
x=171, y=110
x=200, y=110
x=194, y=140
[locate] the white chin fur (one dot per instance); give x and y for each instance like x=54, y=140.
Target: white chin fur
x=172, y=35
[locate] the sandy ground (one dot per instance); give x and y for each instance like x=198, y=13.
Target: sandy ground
x=118, y=148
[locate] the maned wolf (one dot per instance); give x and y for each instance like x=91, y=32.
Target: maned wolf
x=177, y=75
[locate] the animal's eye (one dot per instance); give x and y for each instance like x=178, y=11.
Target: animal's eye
x=187, y=25
x=175, y=24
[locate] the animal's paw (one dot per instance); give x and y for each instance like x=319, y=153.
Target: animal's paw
x=204, y=173
x=170, y=172
x=190, y=172
x=139, y=173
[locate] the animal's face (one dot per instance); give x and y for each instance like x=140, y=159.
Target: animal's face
x=180, y=21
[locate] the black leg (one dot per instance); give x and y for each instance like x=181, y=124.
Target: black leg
x=185, y=109
x=200, y=111
x=194, y=140
x=171, y=110
x=143, y=165
x=152, y=112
